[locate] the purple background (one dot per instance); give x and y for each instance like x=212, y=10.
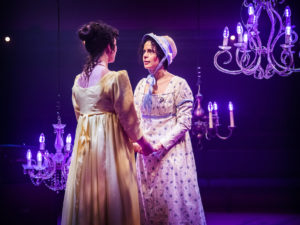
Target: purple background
x=257, y=169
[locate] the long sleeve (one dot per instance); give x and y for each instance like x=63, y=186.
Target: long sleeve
x=75, y=105
x=184, y=105
x=137, y=100
x=124, y=106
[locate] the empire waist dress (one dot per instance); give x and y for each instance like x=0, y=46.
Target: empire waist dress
x=101, y=186
x=168, y=188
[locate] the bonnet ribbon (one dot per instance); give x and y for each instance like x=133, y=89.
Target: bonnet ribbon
x=151, y=81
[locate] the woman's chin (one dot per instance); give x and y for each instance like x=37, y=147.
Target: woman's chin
x=147, y=67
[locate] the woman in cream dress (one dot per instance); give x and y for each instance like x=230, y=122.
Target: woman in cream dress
x=101, y=186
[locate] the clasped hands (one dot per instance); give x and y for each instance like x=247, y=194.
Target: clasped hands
x=143, y=146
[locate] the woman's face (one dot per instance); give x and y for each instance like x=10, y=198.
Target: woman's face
x=150, y=57
x=113, y=53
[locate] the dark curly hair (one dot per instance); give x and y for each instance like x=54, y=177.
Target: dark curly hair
x=96, y=37
x=159, y=52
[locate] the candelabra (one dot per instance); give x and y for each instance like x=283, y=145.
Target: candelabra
x=48, y=168
x=251, y=53
x=208, y=125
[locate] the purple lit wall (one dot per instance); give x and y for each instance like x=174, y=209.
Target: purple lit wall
x=257, y=169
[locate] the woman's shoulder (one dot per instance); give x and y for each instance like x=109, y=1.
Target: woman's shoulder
x=114, y=76
x=142, y=81
x=140, y=85
x=77, y=77
x=178, y=79
x=178, y=82
x=120, y=74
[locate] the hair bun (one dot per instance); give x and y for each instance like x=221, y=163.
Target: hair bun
x=86, y=32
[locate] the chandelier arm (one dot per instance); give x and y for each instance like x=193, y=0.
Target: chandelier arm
x=247, y=55
x=32, y=174
x=295, y=39
x=65, y=169
x=283, y=67
x=272, y=60
x=245, y=3
x=233, y=72
x=258, y=50
x=273, y=22
x=51, y=164
x=287, y=53
x=253, y=48
x=54, y=187
x=270, y=57
x=278, y=36
x=207, y=136
x=249, y=71
x=258, y=12
x=239, y=61
x=296, y=70
x=271, y=68
x=36, y=174
x=36, y=181
x=281, y=28
x=259, y=73
x=224, y=137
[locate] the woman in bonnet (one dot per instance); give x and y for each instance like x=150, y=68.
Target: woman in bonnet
x=167, y=178
x=101, y=186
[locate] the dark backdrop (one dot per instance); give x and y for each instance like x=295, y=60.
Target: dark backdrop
x=257, y=169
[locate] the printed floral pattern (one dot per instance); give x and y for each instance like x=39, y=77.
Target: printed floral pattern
x=168, y=187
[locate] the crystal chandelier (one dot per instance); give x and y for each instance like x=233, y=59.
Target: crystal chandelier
x=51, y=168
x=252, y=56
x=208, y=125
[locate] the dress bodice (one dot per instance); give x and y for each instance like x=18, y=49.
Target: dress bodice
x=96, y=98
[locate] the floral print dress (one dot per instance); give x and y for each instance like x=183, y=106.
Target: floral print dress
x=167, y=180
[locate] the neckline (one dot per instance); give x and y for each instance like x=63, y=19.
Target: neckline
x=100, y=64
x=164, y=92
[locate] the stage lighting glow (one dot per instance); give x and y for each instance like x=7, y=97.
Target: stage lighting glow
x=7, y=39
x=232, y=37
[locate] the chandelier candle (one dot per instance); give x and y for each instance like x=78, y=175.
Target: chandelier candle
x=28, y=156
x=68, y=142
x=39, y=159
x=216, y=114
x=288, y=30
x=287, y=14
x=245, y=39
x=42, y=141
x=210, y=119
x=251, y=14
x=230, y=106
x=225, y=36
x=239, y=30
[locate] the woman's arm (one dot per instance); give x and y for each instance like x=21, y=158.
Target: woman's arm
x=184, y=105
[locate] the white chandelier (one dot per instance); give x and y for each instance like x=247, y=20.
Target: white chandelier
x=252, y=56
x=51, y=168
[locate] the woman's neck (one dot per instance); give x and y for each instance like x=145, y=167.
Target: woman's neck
x=160, y=74
x=103, y=60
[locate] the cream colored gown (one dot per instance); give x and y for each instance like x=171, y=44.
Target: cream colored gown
x=101, y=186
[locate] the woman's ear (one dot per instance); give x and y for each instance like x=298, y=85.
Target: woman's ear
x=108, y=49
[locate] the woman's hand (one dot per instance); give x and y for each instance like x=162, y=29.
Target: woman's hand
x=137, y=148
x=147, y=149
x=158, y=147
